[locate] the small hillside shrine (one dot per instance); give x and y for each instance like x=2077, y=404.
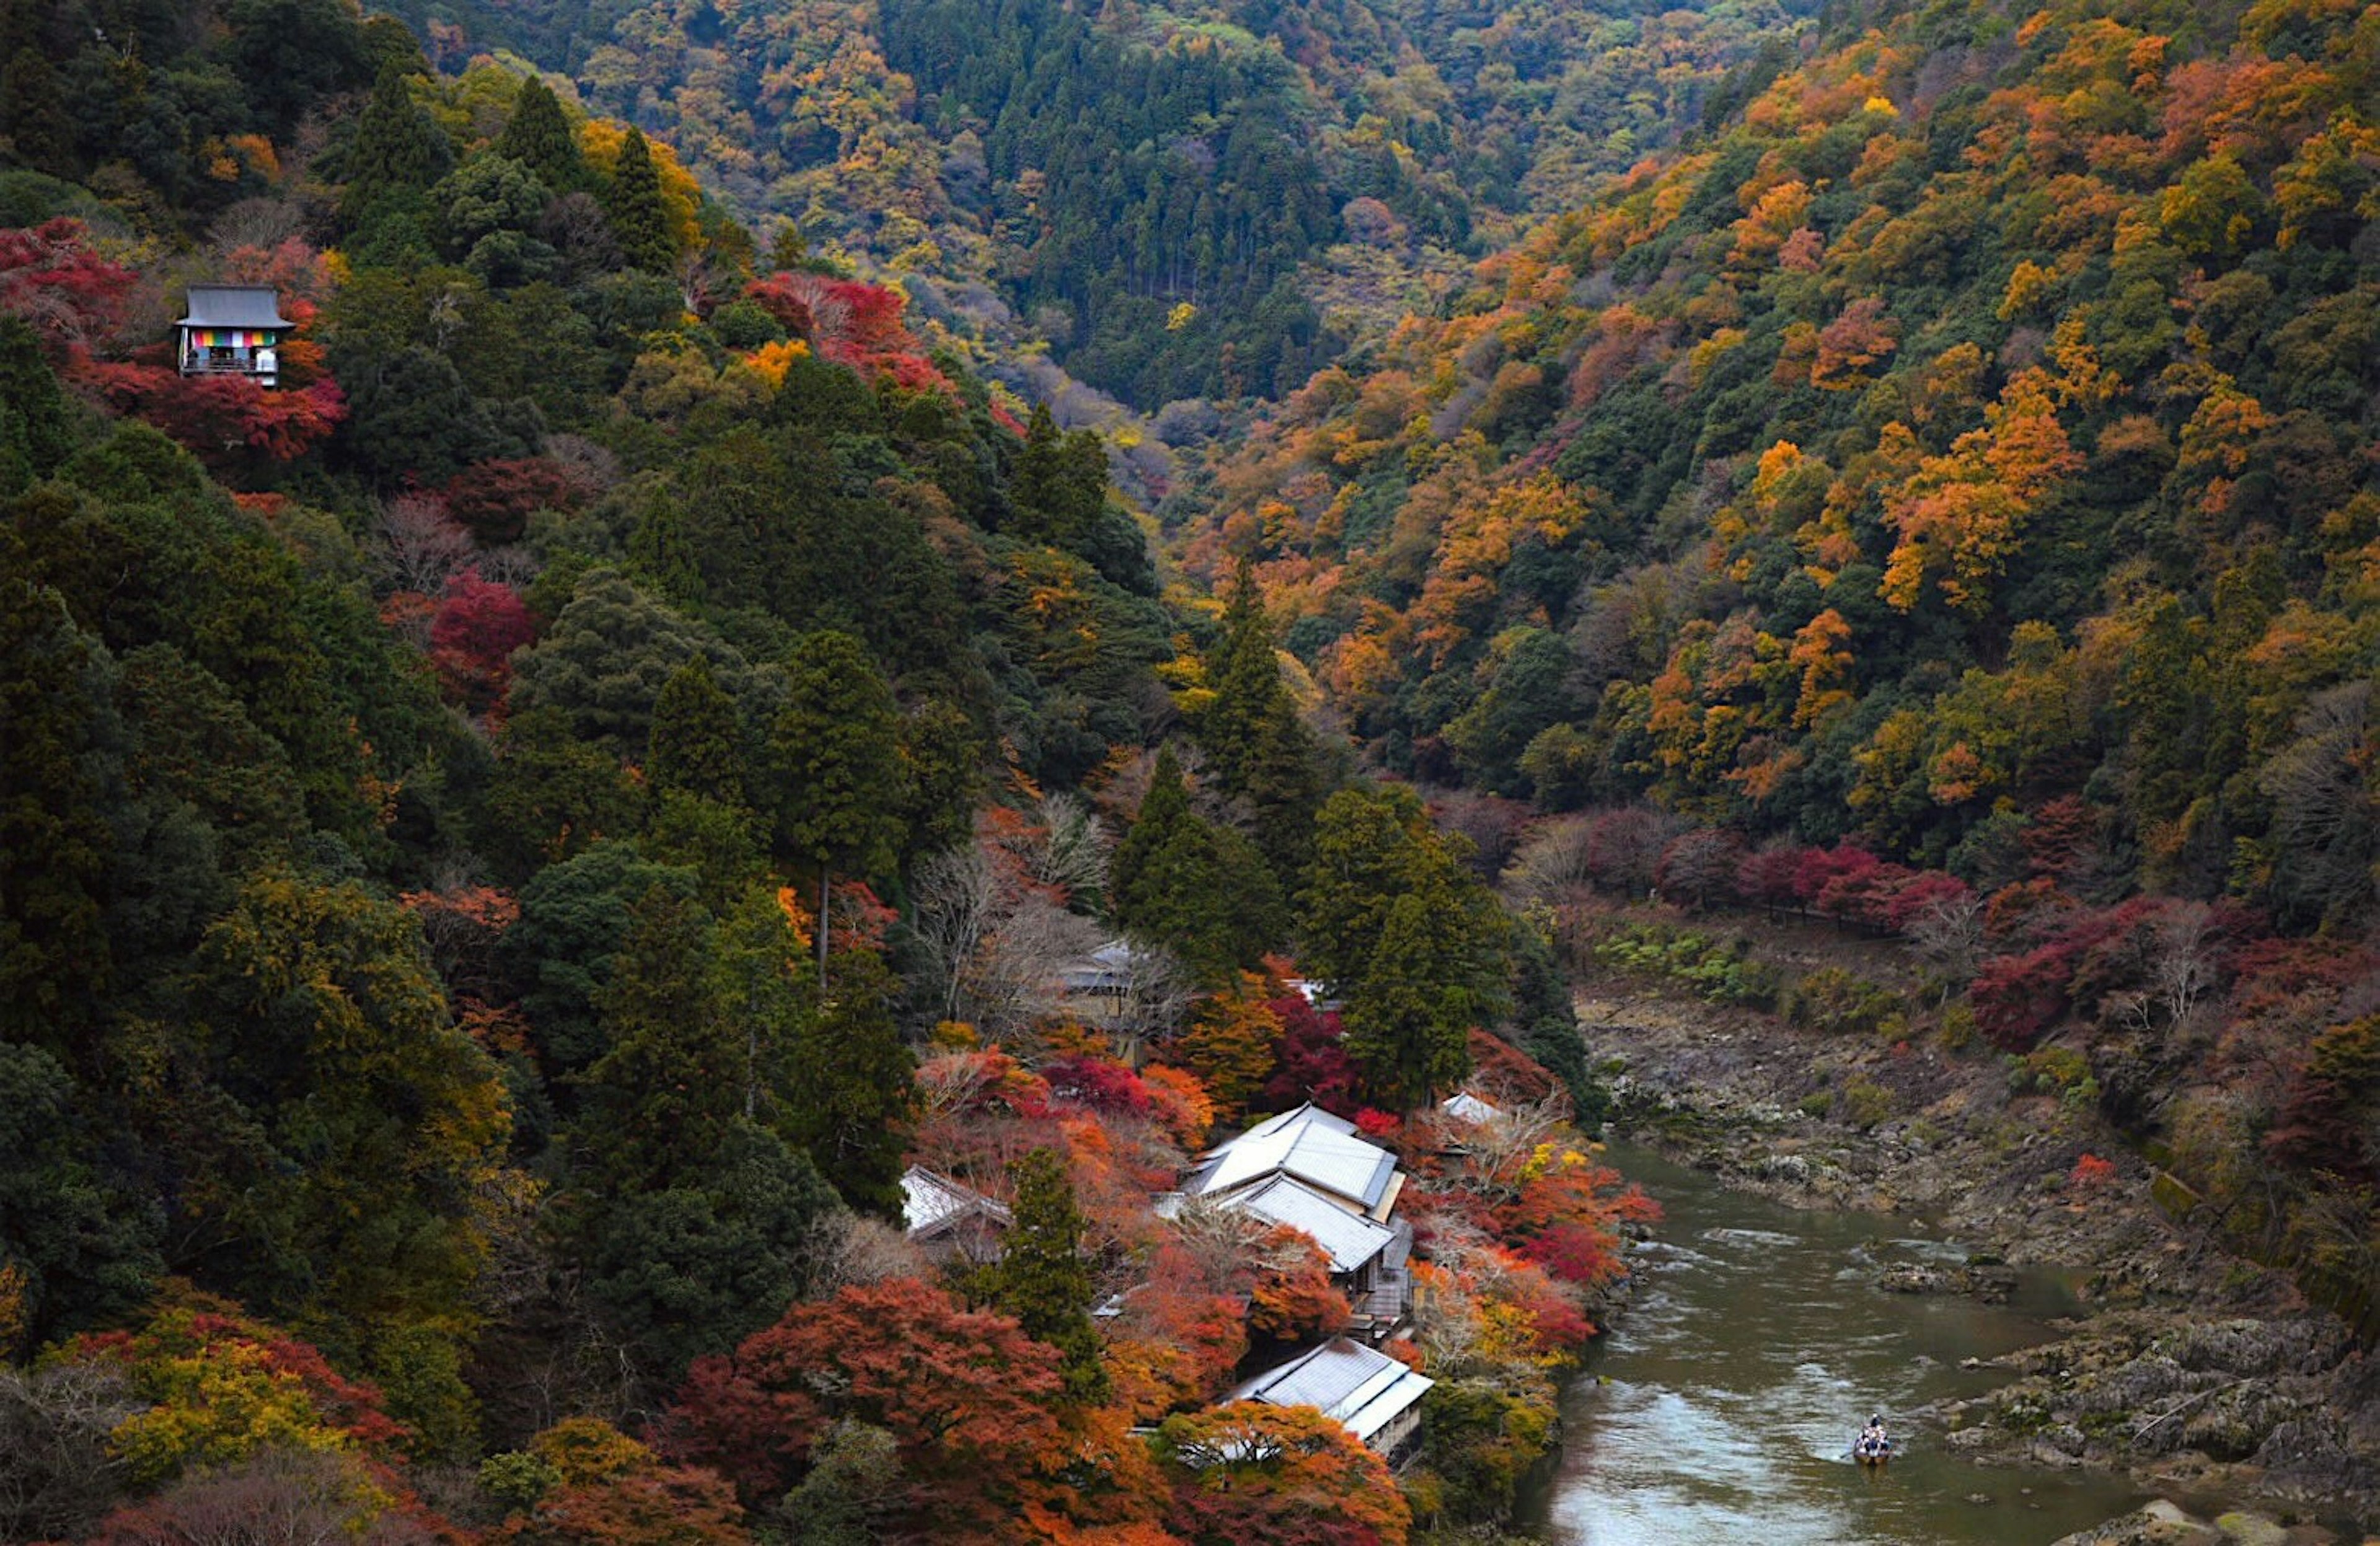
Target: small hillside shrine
x=233, y=330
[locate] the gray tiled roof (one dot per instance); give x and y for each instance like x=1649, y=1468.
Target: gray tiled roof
x=234, y=305
x=929, y=1202
x=1309, y=1143
x=1363, y=1389
x=1349, y=1240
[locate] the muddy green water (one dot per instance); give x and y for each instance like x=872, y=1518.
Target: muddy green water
x=1722, y=1408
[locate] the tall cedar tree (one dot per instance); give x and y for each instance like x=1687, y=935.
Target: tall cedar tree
x=697, y=741
x=1061, y=483
x=853, y=1087
x=1409, y=1021
x=397, y=147
x=835, y=750
x=639, y=215
x=1202, y=892
x=539, y=136
x=657, y=1102
x=1262, y=752
x=687, y=1218
x=1042, y=1279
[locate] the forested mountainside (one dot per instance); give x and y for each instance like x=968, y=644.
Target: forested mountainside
x=547, y=759
x=1945, y=496
x=1206, y=201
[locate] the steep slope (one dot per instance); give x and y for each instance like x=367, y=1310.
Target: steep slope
x=1985, y=415
x=1205, y=200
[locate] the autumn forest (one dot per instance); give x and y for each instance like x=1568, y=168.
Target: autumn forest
x=819, y=773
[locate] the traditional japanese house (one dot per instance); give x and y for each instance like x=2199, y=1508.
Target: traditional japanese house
x=1369, y=1392
x=1316, y=1147
x=233, y=330
x=1368, y=1256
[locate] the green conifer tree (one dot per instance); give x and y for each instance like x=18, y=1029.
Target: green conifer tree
x=1042, y=1279
x=538, y=136
x=1261, y=751
x=32, y=113
x=852, y=1091
x=638, y=213
x=697, y=741
x=834, y=754
x=397, y=148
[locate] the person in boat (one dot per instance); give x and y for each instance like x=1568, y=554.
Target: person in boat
x=1872, y=1439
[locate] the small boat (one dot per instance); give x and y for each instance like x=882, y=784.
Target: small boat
x=1871, y=1449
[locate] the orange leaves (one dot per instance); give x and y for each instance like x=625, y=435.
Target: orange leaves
x=1292, y=1298
x=965, y=1393
x=1961, y=517
x=1852, y=344
x=1252, y=1473
x=1820, y=655
x=1229, y=1044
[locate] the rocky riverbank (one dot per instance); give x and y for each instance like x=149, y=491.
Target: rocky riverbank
x=2200, y=1375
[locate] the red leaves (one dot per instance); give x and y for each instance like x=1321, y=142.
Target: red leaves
x=1292, y=1298
x=964, y=1395
x=50, y=276
x=477, y=626
x=1310, y=1064
x=1097, y=1083
x=496, y=498
x=221, y=419
x=851, y=323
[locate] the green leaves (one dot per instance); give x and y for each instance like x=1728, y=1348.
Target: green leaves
x=1392, y=917
x=834, y=759
x=1042, y=1279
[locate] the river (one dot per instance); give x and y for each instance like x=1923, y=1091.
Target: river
x=1722, y=1408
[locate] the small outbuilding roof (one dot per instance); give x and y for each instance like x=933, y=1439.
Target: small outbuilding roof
x=234, y=305
x=1363, y=1389
x=1465, y=1106
x=930, y=1203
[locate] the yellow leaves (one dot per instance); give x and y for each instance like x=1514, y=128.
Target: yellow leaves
x=1181, y=317
x=1775, y=462
x=1881, y=105
x=2026, y=288
x=1961, y=516
x=1773, y=217
x=217, y=1404
x=2334, y=175
x=15, y=1282
x=1819, y=652
x=600, y=140
x=2080, y=381
x=771, y=361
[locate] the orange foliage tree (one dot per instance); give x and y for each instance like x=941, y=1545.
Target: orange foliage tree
x=1250, y=1472
x=966, y=1394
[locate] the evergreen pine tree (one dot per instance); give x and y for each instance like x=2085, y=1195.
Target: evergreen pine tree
x=32, y=113
x=33, y=434
x=1164, y=807
x=1042, y=1279
x=1408, y=1027
x=852, y=1083
x=397, y=148
x=835, y=756
x=697, y=739
x=660, y=1097
x=638, y=213
x=1262, y=752
x=1200, y=890
x=539, y=136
